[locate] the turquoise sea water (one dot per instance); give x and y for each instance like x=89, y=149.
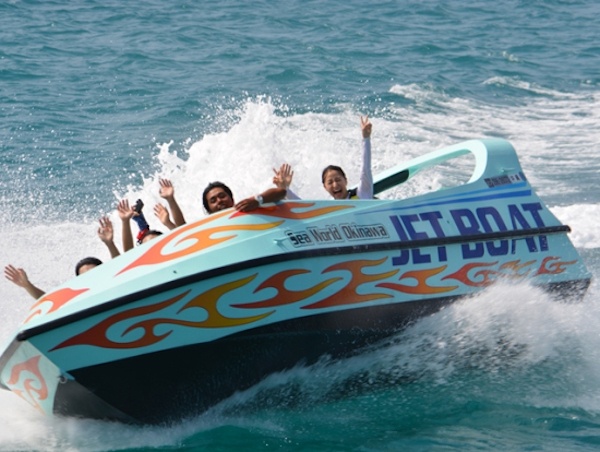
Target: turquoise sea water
x=100, y=99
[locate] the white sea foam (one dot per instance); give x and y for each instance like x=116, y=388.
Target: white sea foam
x=584, y=220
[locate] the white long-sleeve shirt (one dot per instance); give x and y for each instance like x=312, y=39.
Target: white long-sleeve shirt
x=365, y=184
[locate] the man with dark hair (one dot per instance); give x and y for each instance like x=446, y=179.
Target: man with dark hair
x=218, y=196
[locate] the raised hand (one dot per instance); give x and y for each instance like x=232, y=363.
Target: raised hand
x=19, y=277
x=125, y=210
x=166, y=190
x=283, y=176
x=16, y=276
x=162, y=214
x=105, y=231
x=365, y=126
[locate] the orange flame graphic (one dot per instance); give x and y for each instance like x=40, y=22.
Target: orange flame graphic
x=462, y=275
x=515, y=267
x=349, y=294
x=97, y=335
x=201, y=240
x=422, y=287
x=198, y=241
x=285, y=296
x=57, y=299
x=547, y=268
x=36, y=388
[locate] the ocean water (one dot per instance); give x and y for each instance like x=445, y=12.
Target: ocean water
x=98, y=100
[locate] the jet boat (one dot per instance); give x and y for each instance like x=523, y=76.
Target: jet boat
x=169, y=329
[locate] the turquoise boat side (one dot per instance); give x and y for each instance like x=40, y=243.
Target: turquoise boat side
x=233, y=273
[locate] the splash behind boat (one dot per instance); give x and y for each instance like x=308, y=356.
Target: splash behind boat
x=178, y=324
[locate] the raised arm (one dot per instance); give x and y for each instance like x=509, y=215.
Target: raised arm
x=162, y=214
x=106, y=235
x=167, y=191
x=126, y=214
x=365, y=184
x=283, y=179
x=253, y=202
x=19, y=277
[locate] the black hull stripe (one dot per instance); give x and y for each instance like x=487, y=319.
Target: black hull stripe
x=284, y=257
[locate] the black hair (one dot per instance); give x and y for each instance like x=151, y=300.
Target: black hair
x=332, y=168
x=86, y=261
x=209, y=187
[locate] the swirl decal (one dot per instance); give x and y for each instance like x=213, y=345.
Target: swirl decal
x=554, y=268
x=480, y=278
x=57, y=300
x=422, y=287
x=473, y=275
x=98, y=334
x=516, y=269
x=348, y=294
x=203, y=239
x=285, y=296
x=196, y=241
x=26, y=380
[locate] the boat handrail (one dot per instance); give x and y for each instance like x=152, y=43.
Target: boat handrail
x=503, y=151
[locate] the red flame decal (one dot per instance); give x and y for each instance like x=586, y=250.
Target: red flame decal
x=554, y=268
x=485, y=277
x=422, y=287
x=285, y=296
x=98, y=334
x=349, y=293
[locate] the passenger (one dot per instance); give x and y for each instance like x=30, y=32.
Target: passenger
x=19, y=277
x=167, y=191
x=127, y=213
x=283, y=179
x=335, y=181
x=333, y=177
x=86, y=264
x=148, y=234
x=106, y=234
x=218, y=196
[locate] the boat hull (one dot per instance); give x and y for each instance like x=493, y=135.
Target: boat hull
x=173, y=327
x=189, y=380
